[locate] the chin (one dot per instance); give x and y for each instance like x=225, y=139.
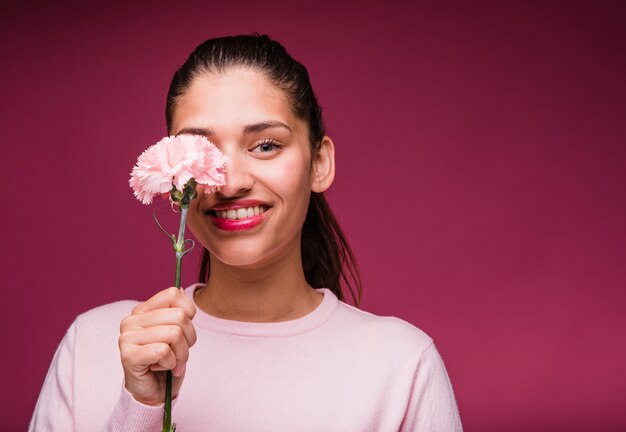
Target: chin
x=240, y=262
x=252, y=255
x=242, y=257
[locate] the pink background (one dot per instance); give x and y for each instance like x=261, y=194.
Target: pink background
x=481, y=181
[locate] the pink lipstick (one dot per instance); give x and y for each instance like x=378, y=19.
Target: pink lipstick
x=238, y=215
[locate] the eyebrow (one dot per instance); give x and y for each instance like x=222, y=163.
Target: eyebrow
x=253, y=128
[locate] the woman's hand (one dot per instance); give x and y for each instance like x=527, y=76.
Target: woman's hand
x=156, y=337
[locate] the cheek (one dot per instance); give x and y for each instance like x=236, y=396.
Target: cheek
x=197, y=222
x=192, y=219
x=291, y=180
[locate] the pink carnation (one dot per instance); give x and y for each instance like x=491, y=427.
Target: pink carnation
x=174, y=161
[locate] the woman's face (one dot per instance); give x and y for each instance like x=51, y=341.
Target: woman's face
x=257, y=217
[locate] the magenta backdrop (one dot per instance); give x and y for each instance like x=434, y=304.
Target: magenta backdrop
x=481, y=152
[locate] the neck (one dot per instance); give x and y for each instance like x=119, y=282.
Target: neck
x=273, y=293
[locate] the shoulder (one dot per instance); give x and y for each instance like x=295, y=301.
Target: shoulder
x=102, y=323
x=95, y=344
x=386, y=332
x=389, y=326
x=106, y=313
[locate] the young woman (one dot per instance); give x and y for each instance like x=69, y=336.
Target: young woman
x=265, y=341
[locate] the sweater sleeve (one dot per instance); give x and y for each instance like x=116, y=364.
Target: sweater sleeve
x=54, y=409
x=432, y=406
x=130, y=415
x=57, y=408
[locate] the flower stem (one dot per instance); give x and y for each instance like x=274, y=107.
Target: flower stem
x=179, y=249
x=179, y=245
x=167, y=415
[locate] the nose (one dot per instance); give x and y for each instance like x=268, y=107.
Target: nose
x=239, y=178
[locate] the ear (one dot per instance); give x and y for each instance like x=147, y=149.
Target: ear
x=323, y=166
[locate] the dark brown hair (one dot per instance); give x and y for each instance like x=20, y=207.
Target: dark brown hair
x=327, y=259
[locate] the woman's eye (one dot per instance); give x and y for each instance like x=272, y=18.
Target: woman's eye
x=265, y=147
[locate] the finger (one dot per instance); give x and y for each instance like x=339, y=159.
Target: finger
x=167, y=316
x=170, y=297
x=143, y=357
x=171, y=335
x=178, y=371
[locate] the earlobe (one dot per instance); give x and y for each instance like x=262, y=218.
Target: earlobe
x=323, y=166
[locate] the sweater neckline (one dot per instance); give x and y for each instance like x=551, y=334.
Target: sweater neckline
x=306, y=323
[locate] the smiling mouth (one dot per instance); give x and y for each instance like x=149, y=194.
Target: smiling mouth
x=239, y=213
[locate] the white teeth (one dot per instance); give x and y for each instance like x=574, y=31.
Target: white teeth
x=240, y=213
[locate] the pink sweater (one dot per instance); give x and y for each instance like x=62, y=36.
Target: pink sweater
x=336, y=369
